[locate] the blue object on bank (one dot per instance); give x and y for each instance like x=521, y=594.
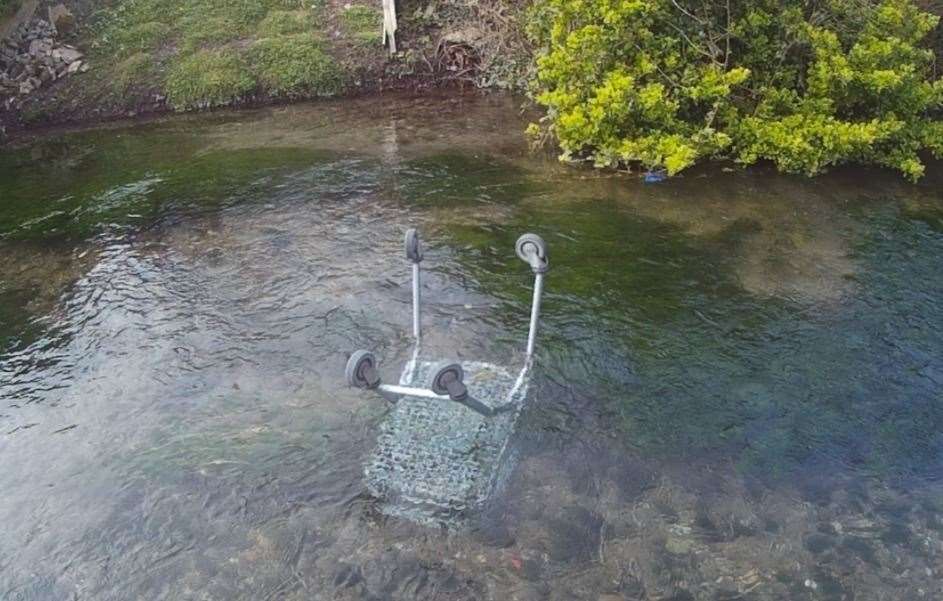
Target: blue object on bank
x=655, y=177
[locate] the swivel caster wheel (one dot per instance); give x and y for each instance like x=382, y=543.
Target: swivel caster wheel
x=361, y=371
x=532, y=249
x=447, y=380
x=413, y=245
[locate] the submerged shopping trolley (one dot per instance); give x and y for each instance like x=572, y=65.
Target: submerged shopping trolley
x=443, y=448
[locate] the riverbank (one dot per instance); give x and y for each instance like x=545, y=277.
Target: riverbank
x=147, y=58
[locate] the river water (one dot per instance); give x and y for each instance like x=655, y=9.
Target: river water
x=738, y=395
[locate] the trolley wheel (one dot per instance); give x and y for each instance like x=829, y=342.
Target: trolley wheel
x=361, y=370
x=448, y=381
x=413, y=245
x=529, y=245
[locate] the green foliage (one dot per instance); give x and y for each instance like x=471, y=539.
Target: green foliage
x=208, y=78
x=295, y=65
x=805, y=84
x=363, y=23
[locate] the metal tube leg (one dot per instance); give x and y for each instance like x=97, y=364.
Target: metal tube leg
x=416, y=299
x=535, y=315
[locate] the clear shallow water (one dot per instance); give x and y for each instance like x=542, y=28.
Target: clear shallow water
x=739, y=390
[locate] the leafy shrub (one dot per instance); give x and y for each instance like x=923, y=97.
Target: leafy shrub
x=208, y=78
x=805, y=84
x=295, y=65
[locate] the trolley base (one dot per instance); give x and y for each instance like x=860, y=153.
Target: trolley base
x=437, y=459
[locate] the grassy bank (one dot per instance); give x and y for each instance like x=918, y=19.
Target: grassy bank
x=214, y=52
x=148, y=56
x=158, y=55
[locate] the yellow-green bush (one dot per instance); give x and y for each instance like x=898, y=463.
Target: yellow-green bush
x=805, y=84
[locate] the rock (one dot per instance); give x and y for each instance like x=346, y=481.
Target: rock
x=75, y=67
x=61, y=19
x=26, y=88
x=68, y=55
x=39, y=48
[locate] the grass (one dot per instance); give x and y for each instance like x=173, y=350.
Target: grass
x=295, y=66
x=363, y=23
x=198, y=33
x=139, y=38
x=204, y=53
x=208, y=78
x=284, y=22
x=138, y=70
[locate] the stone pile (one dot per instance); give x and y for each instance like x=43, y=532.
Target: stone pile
x=31, y=57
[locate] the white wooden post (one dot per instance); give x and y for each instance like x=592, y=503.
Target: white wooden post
x=389, y=24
